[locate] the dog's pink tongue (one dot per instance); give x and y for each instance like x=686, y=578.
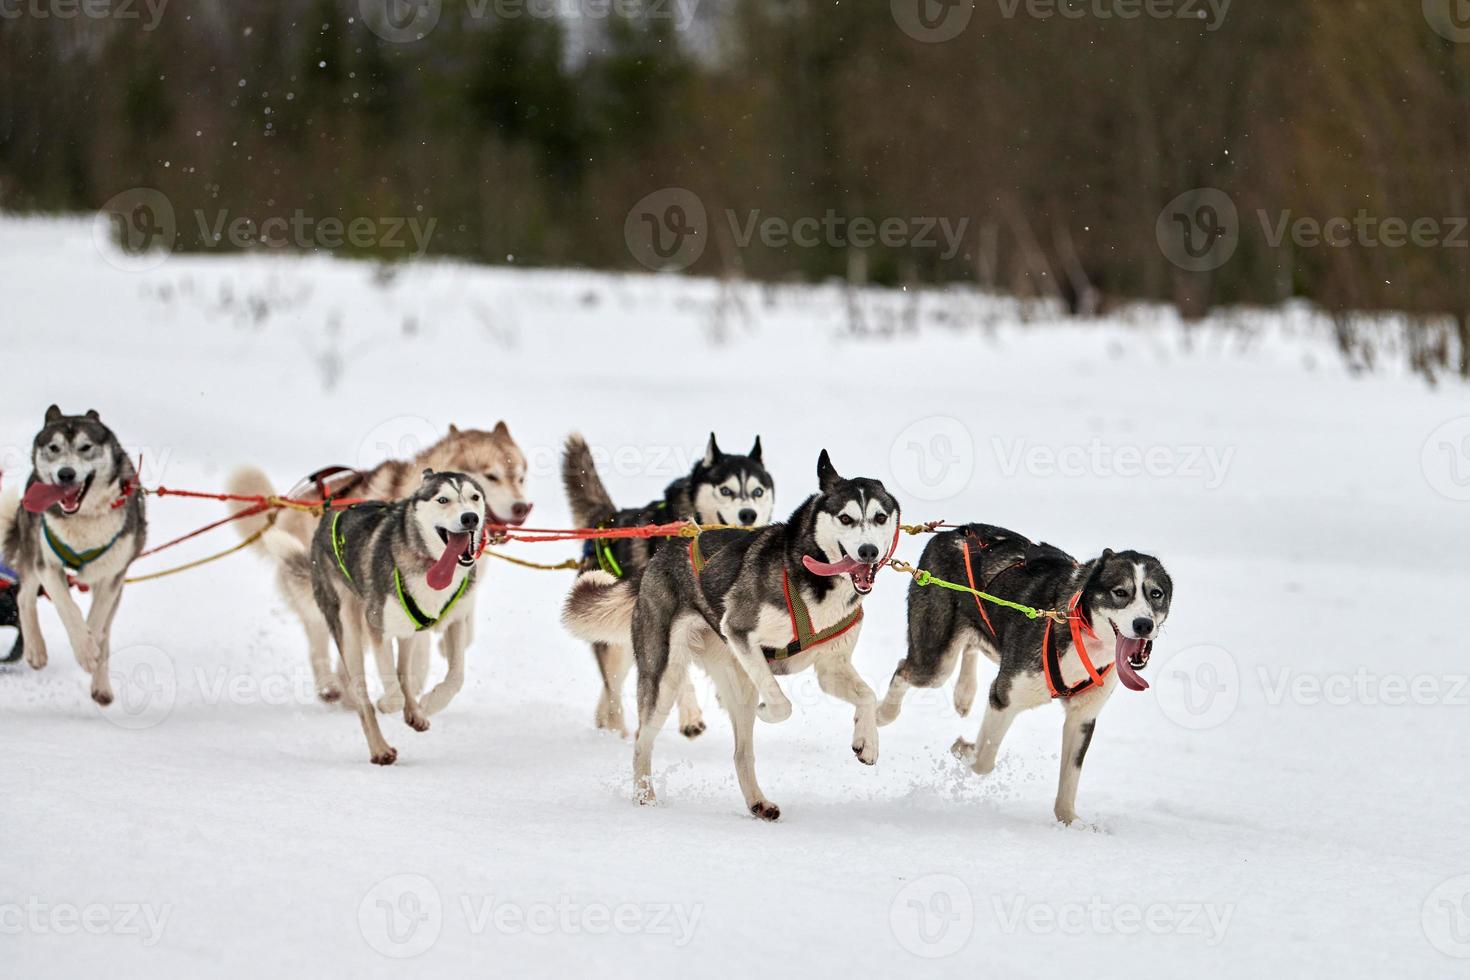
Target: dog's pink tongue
x=1126, y=673
x=846, y=566
x=40, y=496
x=441, y=573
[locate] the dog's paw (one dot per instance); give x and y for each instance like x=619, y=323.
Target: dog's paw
x=329, y=693
x=774, y=712
x=963, y=751
x=416, y=721
x=1065, y=816
x=102, y=695
x=36, y=655
x=644, y=795
x=386, y=758
x=866, y=750
x=391, y=704
x=693, y=730
x=766, y=810
x=90, y=654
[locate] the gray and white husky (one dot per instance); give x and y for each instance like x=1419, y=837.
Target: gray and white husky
x=723, y=488
x=1116, y=605
x=70, y=522
x=749, y=606
x=394, y=571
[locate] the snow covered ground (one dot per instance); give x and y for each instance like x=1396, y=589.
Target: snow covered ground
x=1290, y=795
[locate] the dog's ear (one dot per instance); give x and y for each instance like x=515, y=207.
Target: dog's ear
x=1107, y=553
x=755, y=452
x=53, y=414
x=501, y=430
x=827, y=477
x=712, y=452
x=453, y=430
x=92, y=414
x=428, y=473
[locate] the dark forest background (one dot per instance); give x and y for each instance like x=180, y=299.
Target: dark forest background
x=1059, y=139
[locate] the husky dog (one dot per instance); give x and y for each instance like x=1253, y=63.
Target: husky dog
x=723, y=488
x=380, y=572
x=497, y=464
x=749, y=606
x=70, y=522
x=1116, y=605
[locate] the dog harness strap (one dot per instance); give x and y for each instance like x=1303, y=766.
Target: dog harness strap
x=696, y=557
x=801, y=624
x=603, y=550
x=970, y=577
x=338, y=543
x=71, y=559
x=1052, y=662
x=416, y=615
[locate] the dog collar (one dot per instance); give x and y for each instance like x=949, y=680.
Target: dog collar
x=416, y=615
x=70, y=558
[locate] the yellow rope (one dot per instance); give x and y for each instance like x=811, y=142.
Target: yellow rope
x=571, y=564
x=205, y=561
x=924, y=578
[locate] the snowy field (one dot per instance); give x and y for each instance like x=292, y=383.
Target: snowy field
x=1289, y=796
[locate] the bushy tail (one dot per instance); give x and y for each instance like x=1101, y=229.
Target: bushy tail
x=296, y=526
x=600, y=609
x=591, y=503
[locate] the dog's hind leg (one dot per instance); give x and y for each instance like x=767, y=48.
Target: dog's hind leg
x=409, y=650
x=691, y=718
x=106, y=597
x=1082, y=712
x=456, y=639
x=419, y=669
x=922, y=668
x=613, y=661
x=662, y=667
x=837, y=676
x=738, y=696
x=349, y=636
x=319, y=649
x=1000, y=713
x=392, y=700
x=27, y=601
x=967, y=685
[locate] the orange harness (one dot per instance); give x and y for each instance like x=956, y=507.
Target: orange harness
x=1051, y=661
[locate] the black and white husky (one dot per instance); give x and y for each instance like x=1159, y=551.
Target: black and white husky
x=394, y=571
x=79, y=517
x=723, y=488
x=1115, y=605
x=749, y=606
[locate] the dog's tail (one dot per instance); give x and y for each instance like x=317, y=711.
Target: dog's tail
x=294, y=525
x=591, y=503
x=600, y=609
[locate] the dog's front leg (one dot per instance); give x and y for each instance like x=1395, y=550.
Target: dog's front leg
x=106, y=597
x=409, y=650
x=771, y=705
x=1082, y=712
x=83, y=643
x=383, y=651
x=691, y=718
x=349, y=638
x=456, y=637
x=1000, y=713
x=837, y=676
x=27, y=601
x=738, y=697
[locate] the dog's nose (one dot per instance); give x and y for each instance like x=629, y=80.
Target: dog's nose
x=66, y=474
x=519, y=510
x=868, y=553
x=748, y=516
x=1143, y=626
x=469, y=519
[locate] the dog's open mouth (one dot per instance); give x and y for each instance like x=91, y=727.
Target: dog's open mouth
x=861, y=573
x=40, y=497
x=1131, y=656
x=459, y=550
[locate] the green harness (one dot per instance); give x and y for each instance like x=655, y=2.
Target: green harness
x=801, y=617
x=421, y=620
x=71, y=559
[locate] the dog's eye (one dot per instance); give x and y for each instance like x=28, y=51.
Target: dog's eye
x=844, y=520
x=84, y=449
x=492, y=477
x=881, y=519
x=53, y=449
x=1156, y=594
x=726, y=492
x=1122, y=593
x=443, y=500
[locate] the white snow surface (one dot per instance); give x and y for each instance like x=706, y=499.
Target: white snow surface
x=1287, y=798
